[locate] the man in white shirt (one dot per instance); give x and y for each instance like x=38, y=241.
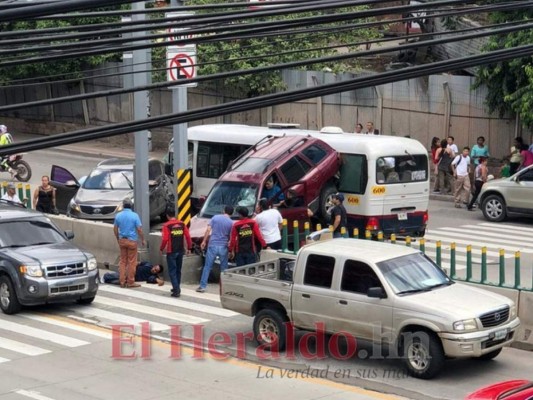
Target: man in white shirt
x=11, y=194
x=461, y=168
x=269, y=221
x=452, y=145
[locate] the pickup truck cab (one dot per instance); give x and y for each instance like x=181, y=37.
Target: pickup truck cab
x=387, y=294
x=39, y=264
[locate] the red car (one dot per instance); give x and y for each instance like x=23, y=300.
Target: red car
x=509, y=390
x=304, y=164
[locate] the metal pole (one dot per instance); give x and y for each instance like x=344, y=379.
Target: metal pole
x=140, y=107
x=179, y=131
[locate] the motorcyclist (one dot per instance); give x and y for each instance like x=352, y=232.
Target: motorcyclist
x=5, y=139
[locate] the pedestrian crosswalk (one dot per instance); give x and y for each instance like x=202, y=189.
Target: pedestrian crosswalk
x=493, y=236
x=43, y=330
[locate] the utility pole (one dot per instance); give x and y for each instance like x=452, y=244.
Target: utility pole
x=141, y=59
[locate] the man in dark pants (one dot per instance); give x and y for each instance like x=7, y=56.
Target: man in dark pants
x=175, y=243
x=145, y=272
x=338, y=215
x=243, y=235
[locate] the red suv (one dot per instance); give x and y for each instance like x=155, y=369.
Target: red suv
x=302, y=165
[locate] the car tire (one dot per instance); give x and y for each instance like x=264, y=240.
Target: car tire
x=270, y=329
x=9, y=302
x=494, y=208
x=87, y=300
x=490, y=356
x=325, y=200
x=423, y=358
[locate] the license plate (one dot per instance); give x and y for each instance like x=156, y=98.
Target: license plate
x=402, y=216
x=498, y=335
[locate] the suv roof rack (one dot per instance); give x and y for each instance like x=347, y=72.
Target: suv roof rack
x=282, y=125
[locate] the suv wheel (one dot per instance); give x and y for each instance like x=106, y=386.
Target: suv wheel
x=9, y=303
x=494, y=208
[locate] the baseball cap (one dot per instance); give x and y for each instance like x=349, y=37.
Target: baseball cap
x=339, y=196
x=11, y=185
x=127, y=202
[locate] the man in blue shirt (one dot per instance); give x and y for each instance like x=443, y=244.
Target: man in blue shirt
x=128, y=230
x=216, y=239
x=271, y=189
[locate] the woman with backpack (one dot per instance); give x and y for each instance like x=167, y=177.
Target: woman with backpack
x=445, y=156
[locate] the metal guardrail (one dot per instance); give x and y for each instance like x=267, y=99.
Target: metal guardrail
x=469, y=277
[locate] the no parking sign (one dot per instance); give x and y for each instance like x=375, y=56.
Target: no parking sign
x=181, y=65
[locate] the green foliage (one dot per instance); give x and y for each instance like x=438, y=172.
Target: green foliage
x=510, y=83
x=240, y=55
x=69, y=68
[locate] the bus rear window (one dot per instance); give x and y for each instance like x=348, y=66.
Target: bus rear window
x=353, y=174
x=402, y=169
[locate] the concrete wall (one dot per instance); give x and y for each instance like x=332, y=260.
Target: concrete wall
x=98, y=238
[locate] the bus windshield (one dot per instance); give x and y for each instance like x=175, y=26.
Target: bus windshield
x=229, y=194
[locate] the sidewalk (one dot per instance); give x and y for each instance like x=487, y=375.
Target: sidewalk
x=94, y=148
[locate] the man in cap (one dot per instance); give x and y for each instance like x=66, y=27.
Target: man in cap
x=338, y=215
x=128, y=230
x=11, y=194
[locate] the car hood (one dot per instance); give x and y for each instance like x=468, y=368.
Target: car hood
x=57, y=253
x=97, y=196
x=458, y=300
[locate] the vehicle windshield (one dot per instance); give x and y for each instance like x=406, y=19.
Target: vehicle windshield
x=32, y=232
x=229, y=194
x=109, y=179
x=413, y=273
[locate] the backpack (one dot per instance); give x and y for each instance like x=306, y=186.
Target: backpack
x=8, y=138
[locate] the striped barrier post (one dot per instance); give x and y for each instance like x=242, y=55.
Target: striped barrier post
x=4, y=187
x=344, y=232
x=408, y=241
x=368, y=235
x=29, y=198
x=484, y=265
x=423, y=245
x=356, y=233
x=452, y=260
x=438, y=249
x=296, y=236
x=318, y=227
x=393, y=238
x=468, y=263
x=380, y=236
x=183, y=196
x=284, y=236
x=517, y=270
x=20, y=191
x=501, y=281
x=306, y=229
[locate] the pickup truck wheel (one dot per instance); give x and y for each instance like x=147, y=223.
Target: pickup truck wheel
x=9, y=303
x=87, y=300
x=270, y=329
x=491, y=355
x=423, y=358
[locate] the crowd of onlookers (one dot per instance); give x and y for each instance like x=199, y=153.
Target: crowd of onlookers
x=463, y=173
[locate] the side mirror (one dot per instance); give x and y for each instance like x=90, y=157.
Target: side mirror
x=71, y=184
x=201, y=201
x=69, y=235
x=376, y=292
x=152, y=183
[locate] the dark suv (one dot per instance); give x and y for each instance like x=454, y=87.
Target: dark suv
x=99, y=195
x=38, y=263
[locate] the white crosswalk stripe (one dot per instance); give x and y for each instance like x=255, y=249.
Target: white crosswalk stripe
x=493, y=236
x=30, y=333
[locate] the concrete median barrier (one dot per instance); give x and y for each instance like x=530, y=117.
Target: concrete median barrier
x=99, y=239
x=524, y=339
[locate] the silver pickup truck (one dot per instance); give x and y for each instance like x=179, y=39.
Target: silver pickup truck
x=387, y=294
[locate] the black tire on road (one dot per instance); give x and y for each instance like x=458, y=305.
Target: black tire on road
x=9, y=302
x=270, y=329
x=87, y=300
x=325, y=200
x=423, y=354
x=494, y=208
x=23, y=171
x=491, y=355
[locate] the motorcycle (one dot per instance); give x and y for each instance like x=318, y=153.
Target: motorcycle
x=22, y=168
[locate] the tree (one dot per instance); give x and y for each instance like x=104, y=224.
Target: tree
x=510, y=83
x=243, y=54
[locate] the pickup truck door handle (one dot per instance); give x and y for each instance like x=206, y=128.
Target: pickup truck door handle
x=305, y=295
x=344, y=302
